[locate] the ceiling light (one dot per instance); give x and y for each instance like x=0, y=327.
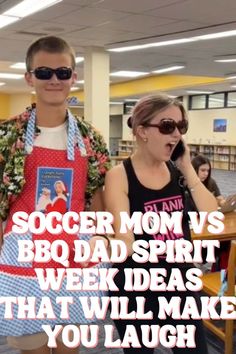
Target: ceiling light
x=225, y=58
x=199, y=92
x=74, y=88
x=230, y=76
x=79, y=59
x=18, y=66
x=155, y=44
x=233, y=86
x=168, y=68
x=128, y=73
x=11, y=76
x=2, y=83
x=28, y=7
x=176, y=41
x=218, y=35
x=7, y=20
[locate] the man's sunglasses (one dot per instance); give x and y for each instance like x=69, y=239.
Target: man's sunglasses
x=168, y=126
x=45, y=73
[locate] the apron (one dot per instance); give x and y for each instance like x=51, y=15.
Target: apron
x=55, y=181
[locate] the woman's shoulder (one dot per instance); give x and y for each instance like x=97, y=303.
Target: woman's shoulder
x=212, y=182
x=117, y=177
x=116, y=171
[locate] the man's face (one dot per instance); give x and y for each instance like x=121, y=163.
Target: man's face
x=54, y=91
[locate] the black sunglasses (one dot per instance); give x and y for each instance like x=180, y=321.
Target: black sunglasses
x=45, y=73
x=168, y=126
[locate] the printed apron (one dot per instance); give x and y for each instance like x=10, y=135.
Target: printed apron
x=55, y=181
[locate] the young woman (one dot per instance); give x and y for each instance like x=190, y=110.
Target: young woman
x=149, y=181
x=202, y=167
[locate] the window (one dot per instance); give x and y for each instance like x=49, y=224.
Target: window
x=128, y=107
x=216, y=100
x=231, y=99
x=197, y=102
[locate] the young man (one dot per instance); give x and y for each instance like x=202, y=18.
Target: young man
x=38, y=148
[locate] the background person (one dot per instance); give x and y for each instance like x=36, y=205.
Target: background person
x=202, y=167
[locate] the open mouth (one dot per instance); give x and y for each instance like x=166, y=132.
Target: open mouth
x=171, y=146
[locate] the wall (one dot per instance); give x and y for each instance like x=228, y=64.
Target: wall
x=126, y=131
x=11, y=105
x=18, y=103
x=201, y=127
x=115, y=126
x=4, y=106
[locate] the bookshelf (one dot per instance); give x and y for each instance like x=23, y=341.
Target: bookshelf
x=126, y=147
x=221, y=156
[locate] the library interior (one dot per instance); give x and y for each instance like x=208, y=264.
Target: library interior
x=126, y=50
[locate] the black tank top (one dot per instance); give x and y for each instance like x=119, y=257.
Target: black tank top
x=168, y=199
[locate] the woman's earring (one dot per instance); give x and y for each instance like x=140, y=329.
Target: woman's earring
x=145, y=140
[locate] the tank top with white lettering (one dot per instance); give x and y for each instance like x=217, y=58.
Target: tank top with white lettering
x=168, y=199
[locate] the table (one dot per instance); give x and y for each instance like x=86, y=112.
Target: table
x=228, y=234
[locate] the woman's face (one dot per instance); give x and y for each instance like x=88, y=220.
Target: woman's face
x=59, y=188
x=160, y=145
x=203, y=172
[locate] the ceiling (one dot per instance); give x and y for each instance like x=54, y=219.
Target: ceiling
x=117, y=23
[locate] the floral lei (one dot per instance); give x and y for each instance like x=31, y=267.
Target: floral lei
x=12, y=159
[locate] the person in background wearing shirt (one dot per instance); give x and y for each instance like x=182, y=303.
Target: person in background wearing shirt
x=202, y=167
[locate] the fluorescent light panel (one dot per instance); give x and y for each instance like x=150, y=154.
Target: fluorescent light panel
x=225, y=60
x=128, y=73
x=74, y=88
x=7, y=20
x=2, y=83
x=18, y=66
x=231, y=58
x=28, y=7
x=230, y=76
x=11, y=76
x=168, y=68
x=176, y=41
x=79, y=59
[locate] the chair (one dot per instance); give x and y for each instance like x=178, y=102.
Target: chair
x=211, y=286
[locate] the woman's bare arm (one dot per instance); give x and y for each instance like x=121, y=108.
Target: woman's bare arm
x=116, y=201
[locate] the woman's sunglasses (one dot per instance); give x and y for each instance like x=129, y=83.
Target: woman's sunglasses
x=45, y=73
x=168, y=126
